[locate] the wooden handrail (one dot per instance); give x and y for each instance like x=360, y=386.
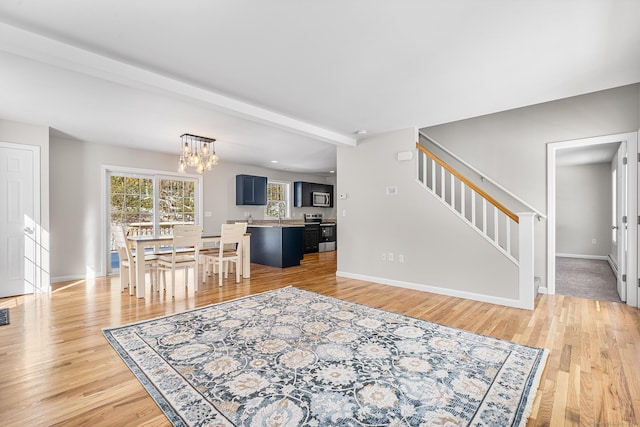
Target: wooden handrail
x=469, y=184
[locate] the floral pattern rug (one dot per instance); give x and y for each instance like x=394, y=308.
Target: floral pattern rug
x=291, y=357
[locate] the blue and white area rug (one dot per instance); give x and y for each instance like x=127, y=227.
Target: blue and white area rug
x=296, y=358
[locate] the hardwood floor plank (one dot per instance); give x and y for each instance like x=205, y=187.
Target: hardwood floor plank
x=58, y=369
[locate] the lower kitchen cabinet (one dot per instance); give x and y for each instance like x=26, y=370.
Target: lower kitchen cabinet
x=311, y=238
x=277, y=246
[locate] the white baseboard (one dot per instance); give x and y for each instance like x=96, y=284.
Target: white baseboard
x=67, y=278
x=435, y=290
x=89, y=275
x=598, y=257
x=613, y=265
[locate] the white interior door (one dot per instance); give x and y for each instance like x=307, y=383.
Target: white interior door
x=622, y=235
x=17, y=222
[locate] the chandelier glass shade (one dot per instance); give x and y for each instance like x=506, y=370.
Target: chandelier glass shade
x=197, y=152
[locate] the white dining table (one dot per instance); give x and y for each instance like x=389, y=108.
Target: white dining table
x=142, y=242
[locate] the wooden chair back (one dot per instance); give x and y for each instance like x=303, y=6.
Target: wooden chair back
x=187, y=235
x=120, y=239
x=231, y=234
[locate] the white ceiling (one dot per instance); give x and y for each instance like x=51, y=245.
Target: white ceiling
x=291, y=80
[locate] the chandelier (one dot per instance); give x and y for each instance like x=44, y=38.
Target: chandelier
x=197, y=152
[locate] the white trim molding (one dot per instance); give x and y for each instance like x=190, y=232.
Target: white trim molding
x=580, y=256
x=631, y=139
x=438, y=290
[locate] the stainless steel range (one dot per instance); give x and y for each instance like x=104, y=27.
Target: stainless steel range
x=326, y=232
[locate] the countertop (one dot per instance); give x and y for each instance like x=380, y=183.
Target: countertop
x=274, y=225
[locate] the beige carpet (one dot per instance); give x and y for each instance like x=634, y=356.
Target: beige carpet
x=586, y=278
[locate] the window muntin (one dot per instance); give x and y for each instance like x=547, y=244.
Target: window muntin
x=278, y=199
x=131, y=202
x=176, y=204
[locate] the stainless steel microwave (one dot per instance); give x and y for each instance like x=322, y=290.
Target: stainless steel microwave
x=321, y=199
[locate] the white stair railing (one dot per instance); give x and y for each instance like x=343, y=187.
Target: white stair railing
x=509, y=233
x=484, y=176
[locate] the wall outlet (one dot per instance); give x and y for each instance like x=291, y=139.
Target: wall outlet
x=390, y=257
x=401, y=258
x=384, y=257
x=594, y=241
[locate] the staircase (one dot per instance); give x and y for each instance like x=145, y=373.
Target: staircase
x=509, y=233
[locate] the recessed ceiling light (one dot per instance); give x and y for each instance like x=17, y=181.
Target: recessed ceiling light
x=361, y=132
x=274, y=161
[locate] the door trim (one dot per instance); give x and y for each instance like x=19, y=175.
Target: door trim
x=632, y=187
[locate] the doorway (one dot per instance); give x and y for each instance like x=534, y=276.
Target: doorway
x=20, y=231
x=587, y=169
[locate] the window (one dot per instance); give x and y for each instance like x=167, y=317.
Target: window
x=146, y=203
x=278, y=200
x=131, y=203
x=176, y=203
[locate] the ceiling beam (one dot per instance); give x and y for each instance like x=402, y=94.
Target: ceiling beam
x=33, y=46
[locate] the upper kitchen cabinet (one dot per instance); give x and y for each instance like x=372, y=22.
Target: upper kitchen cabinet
x=310, y=194
x=251, y=190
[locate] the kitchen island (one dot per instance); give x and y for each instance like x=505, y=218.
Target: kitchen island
x=277, y=245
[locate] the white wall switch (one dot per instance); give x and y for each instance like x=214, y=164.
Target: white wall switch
x=208, y=214
x=390, y=256
x=400, y=258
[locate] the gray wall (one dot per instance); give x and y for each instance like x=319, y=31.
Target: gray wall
x=77, y=229
x=511, y=146
x=440, y=251
x=583, y=209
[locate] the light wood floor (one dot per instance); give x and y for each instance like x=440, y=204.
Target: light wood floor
x=56, y=368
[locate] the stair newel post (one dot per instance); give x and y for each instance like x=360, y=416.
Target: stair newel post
x=526, y=257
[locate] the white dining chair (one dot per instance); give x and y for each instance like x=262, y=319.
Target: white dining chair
x=230, y=251
x=209, y=267
x=184, y=254
x=128, y=260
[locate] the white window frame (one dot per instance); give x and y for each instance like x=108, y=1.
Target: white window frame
x=288, y=198
x=156, y=175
